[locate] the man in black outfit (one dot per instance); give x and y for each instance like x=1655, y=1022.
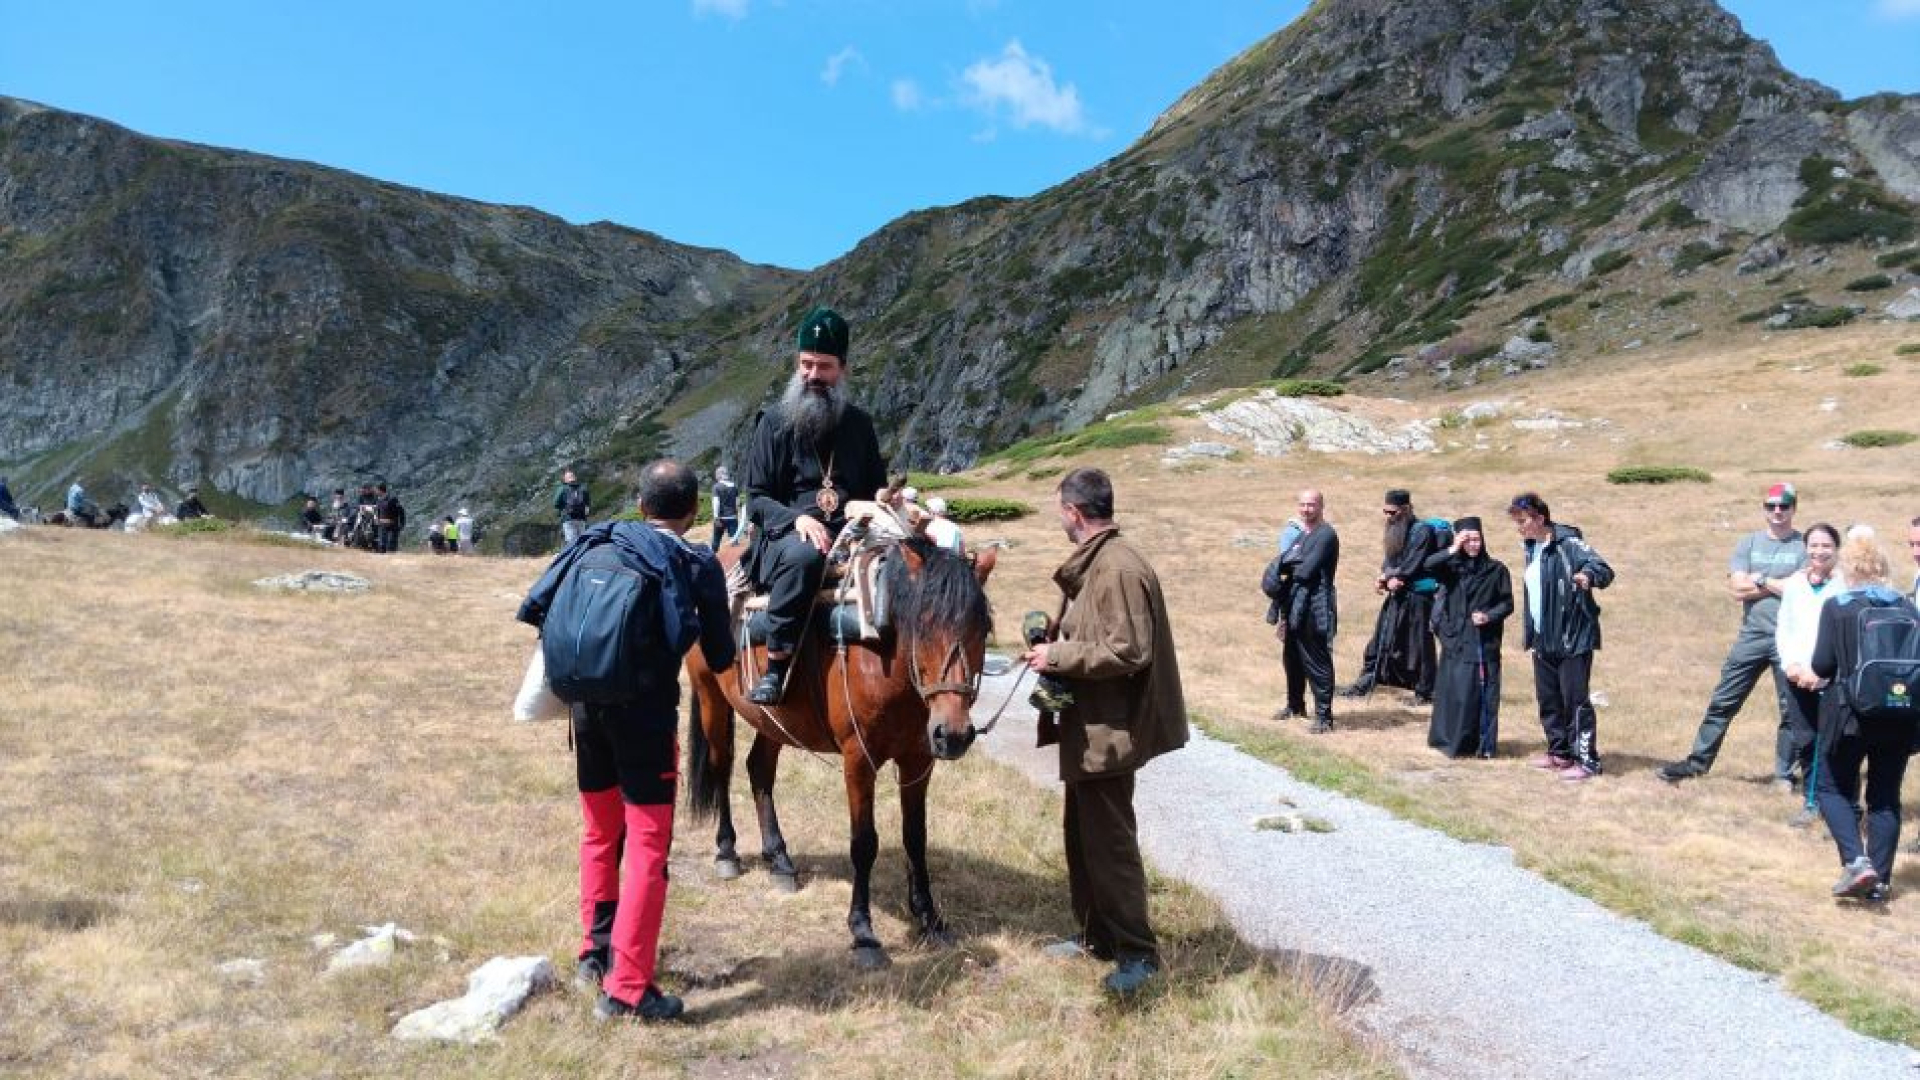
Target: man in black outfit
x=726, y=507
x=811, y=453
x=1309, y=612
x=391, y=516
x=1401, y=652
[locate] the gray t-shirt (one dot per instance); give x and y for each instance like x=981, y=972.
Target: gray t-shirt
x=1759, y=553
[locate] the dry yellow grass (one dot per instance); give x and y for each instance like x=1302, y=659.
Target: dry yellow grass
x=1712, y=862
x=193, y=770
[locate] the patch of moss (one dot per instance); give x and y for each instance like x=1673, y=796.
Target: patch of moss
x=1671, y=215
x=1877, y=438
x=1870, y=283
x=1677, y=299
x=1608, y=261
x=1697, y=253
x=1659, y=474
x=1861, y=371
x=1820, y=318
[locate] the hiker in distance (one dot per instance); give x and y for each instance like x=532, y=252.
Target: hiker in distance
x=1562, y=632
x=1305, y=612
x=726, y=508
x=812, y=452
x=574, y=505
x=1469, y=616
x=1762, y=561
x=1401, y=652
x=624, y=725
x=1114, y=649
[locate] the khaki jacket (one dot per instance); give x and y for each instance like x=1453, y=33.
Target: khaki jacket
x=1116, y=652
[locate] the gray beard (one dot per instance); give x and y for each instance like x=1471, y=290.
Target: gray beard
x=813, y=415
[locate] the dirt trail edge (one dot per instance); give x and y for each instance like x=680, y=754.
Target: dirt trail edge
x=1482, y=969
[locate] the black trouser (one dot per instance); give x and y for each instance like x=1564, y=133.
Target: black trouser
x=1884, y=749
x=631, y=747
x=790, y=570
x=1803, y=714
x=723, y=528
x=1106, y=878
x=388, y=538
x=1412, y=639
x=1566, y=710
x=1308, y=660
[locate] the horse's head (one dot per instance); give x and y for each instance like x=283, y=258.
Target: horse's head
x=942, y=621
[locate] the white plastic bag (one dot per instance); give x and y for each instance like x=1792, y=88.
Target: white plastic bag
x=535, y=700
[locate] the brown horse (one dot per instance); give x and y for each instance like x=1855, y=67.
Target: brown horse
x=905, y=699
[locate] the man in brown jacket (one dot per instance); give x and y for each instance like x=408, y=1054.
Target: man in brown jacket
x=1115, y=651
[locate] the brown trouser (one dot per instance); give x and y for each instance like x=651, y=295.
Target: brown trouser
x=1106, y=878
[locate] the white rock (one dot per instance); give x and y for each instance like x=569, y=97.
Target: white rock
x=1178, y=454
x=374, y=950
x=1907, y=307
x=495, y=991
x=245, y=969
x=7, y=524
x=1277, y=425
x=1485, y=409
x=317, y=581
x=1829, y=404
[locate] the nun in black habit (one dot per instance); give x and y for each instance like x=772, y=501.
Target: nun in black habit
x=1469, y=614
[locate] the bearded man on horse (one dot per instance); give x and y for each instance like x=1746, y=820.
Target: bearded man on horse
x=812, y=453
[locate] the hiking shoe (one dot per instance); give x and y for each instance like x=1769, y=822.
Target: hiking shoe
x=1675, y=771
x=771, y=687
x=1857, y=879
x=1553, y=762
x=1320, y=727
x=590, y=972
x=653, y=1005
x=1354, y=690
x=1804, y=819
x=1129, y=977
x=1576, y=773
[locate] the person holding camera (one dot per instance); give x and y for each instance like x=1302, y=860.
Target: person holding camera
x=1125, y=707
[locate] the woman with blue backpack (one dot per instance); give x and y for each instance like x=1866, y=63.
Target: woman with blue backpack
x=1868, y=650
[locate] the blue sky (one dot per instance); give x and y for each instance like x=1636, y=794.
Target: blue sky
x=784, y=130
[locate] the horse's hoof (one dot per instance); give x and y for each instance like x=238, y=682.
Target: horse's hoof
x=726, y=869
x=941, y=938
x=871, y=958
x=785, y=883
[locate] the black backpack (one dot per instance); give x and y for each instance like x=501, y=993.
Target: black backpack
x=610, y=625
x=577, y=503
x=1886, y=666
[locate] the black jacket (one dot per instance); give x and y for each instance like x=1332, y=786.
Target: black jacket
x=1836, y=649
x=1466, y=586
x=1411, y=565
x=783, y=477
x=1569, y=617
x=1300, y=584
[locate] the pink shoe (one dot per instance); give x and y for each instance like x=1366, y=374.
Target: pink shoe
x=1549, y=761
x=1576, y=773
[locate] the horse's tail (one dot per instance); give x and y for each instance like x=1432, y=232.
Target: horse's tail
x=707, y=779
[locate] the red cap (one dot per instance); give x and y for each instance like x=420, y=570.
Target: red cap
x=1782, y=493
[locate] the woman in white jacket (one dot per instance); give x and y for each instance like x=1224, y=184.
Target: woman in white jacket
x=1801, y=597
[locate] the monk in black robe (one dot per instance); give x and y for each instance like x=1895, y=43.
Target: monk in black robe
x=1469, y=615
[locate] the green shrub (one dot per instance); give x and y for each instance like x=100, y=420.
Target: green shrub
x=1755, y=316
x=1860, y=371
x=1678, y=298
x=1908, y=350
x=1698, y=253
x=1658, y=474
x=1832, y=223
x=1045, y=471
x=1306, y=388
x=206, y=526
x=1870, y=283
x=1674, y=215
x=1551, y=303
x=1608, y=261
x=1894, y=259
x=1539, y=334
x=1103, y=436
x=1453, y=419
x=1820, y=318
x=965, y=509
x=936, y=482
x=1874, y=438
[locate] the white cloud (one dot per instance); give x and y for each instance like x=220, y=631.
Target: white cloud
x=732, y=9
x=839, y=62
x=1898, y=9
x=1020, y=86
x=907, y=96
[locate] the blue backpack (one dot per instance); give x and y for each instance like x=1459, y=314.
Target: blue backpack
x=620, y=618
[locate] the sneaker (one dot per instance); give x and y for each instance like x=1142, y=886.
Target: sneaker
x=1878, y=894
x=1857, y=879
x=1356, y=690
x=1576, y=773
x=1320, y=727
x=1675, y=771
x=1804, y=819
x=1129, y=977
x=1553, y=762
x=653, y=1005
x=590, y=972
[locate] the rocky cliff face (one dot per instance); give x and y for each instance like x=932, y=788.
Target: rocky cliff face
x=171, y=312
x=1381, y=179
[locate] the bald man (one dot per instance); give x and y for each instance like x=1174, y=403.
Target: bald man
x=1309, y=612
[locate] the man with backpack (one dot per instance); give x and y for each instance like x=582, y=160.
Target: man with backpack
x=574, y=505
x=1868, y=648
x=1762, y=562
x=618, y=610
x=1401, y=652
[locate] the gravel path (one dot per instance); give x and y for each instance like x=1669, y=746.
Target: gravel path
x=1479, y=968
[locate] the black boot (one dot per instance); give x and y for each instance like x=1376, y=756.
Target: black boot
x=1358, y=688
x=772, y=686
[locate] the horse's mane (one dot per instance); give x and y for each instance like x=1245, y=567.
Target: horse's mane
x=943, y=594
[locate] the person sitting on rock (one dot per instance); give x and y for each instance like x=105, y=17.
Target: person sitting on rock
x=191, y=507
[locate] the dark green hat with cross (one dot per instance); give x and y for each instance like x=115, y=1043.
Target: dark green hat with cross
x=822, y=330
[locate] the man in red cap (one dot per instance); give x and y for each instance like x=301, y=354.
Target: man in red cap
x=1761, y=563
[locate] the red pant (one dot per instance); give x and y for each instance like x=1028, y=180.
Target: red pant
x=628, y=760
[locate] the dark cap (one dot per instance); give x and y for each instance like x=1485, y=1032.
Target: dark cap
x=1467, y=524
x=822, y=330
x=1399, y=497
